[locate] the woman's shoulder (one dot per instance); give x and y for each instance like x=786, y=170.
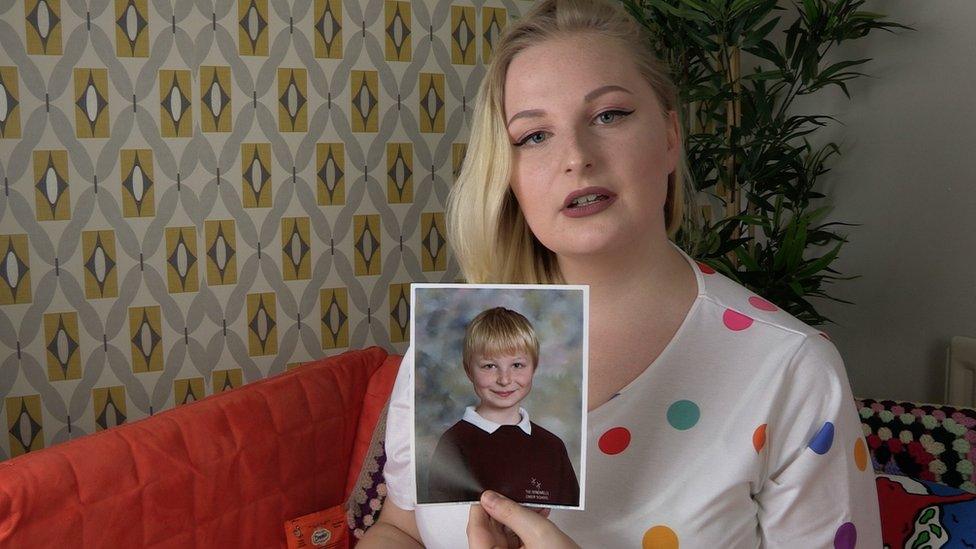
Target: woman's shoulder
x=743, y=310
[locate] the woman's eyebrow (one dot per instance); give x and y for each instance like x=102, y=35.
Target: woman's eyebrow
x=532, y=113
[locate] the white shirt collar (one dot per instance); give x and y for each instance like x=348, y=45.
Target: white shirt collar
x=474, y=418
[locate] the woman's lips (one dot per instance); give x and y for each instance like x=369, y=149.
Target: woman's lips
x=591, y=208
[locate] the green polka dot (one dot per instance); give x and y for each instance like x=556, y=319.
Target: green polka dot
x=683, y=414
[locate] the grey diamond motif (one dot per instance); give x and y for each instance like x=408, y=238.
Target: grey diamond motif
x=8, y=105
x=94, y=265
x=174, y=260
x=334, y=318
x=146, y=339
x=189, y=397
x=257, y=175
x=111, y=416
x=62, y=346
x=401, y=311
x=253, y=24
x=364, y=100
x=132, y=23
x=137, y=183
x=262, y=324
x=51, y=182
x=292, y=99
x=216, y=99
x=220, y=252
x=367, y=245
x=327, y=27
x=100, y=102
x=330, y=173
x=399, y=172
x=432, y=102
x=12, y=269
x=398, y=31
x=227, y=383
x=40, y=16
x=491, y=32
x=433, y=242
x=464, y=35
x=24, y=419
x=167, y=102
x=296, y=248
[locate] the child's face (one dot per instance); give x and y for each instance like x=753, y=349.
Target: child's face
x=501, y=382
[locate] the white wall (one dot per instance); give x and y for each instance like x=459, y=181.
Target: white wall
x=907, y=176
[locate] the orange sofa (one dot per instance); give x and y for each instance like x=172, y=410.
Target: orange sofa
x=226, y=471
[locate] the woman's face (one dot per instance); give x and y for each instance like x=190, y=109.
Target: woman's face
x=592, y=147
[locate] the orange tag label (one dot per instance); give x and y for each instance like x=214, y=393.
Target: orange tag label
x=325, y=529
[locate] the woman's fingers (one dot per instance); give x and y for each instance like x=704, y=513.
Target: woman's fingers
x=533, y=529
x=483, y=532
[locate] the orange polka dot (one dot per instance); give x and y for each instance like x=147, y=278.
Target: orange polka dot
x=660, y=537
x=759, y=437
x=860, y=454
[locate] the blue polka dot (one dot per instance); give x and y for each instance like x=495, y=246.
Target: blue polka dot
x=824, y=438
x=683, y=414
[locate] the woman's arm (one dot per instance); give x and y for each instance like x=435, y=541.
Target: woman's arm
x=396, y=528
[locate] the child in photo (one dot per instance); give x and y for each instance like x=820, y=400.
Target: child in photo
x=495, y=445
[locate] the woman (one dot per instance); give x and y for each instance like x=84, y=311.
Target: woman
x=716, y=420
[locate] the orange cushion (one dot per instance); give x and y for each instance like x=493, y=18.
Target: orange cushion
x=226, y=471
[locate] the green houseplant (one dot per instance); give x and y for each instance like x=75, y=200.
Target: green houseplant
x=762, y=222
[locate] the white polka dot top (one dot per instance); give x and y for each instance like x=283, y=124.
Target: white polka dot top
x=742, y=433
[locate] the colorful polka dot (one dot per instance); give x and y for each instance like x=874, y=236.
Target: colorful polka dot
x=683, y=414
x=660, y=537
x=614, y=441
x=735, y=320
x=824, y=439
x=759, y=438
x=761, y=304
x=846, y=536
x=860, y=454
x=705, y=268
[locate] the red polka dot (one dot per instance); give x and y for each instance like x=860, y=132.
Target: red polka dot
x=705, y=268
x=761, y=304
x=759, y=437
x=736, y=321
x=615, y=441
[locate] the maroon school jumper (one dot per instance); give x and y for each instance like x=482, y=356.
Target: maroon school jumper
x=528, y=467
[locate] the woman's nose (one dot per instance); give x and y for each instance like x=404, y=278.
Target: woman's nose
x=578, y=153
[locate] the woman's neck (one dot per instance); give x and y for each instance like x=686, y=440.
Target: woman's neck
x=630, y=279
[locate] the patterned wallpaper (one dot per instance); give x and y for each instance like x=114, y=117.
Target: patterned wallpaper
x=199, y=194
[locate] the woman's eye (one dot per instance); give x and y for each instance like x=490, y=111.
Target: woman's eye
x=613, y=114
x=531, y=138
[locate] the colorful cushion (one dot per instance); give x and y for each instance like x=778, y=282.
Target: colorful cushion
x=923, y=441
x=920, y=514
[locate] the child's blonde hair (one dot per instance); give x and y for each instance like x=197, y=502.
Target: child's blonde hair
x=485, y=226
x=499, y=331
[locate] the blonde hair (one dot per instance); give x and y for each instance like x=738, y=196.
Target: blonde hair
x=486, y=228
x=499, y=331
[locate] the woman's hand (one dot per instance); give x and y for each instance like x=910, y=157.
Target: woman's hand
x=501, y=523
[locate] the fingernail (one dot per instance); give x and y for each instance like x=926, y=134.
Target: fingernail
x=490, y=498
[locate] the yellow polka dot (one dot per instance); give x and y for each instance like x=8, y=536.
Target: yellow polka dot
x=660, y=537
x=860, y=454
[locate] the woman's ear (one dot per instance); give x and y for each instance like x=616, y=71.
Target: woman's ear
x=674, y=139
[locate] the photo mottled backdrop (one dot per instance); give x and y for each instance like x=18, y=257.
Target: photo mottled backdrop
x=442, y=388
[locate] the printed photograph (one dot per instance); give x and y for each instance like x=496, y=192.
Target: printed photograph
x=500, y=392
